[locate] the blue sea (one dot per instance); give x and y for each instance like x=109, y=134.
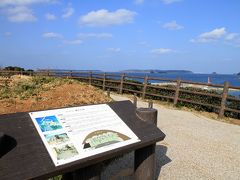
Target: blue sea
x=234, y=80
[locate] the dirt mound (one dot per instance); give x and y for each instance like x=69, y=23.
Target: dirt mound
x=50, y=94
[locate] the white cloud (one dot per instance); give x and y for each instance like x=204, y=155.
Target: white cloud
x=104, y=17
x=219, y=35
x=23, y=2
x=172, y=26
x=52, y=35
x=50, y=16
x=211, y=35
x=7, y=34
x=143, y=43
x=73, y=42
x=95, y=35
x=114, y=49
x=232, y=36
x=170, y=1
x=68, y=12
x=160, y=51
x=139, y=1
x=20, y=14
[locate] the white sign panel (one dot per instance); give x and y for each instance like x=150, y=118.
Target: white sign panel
x=71, y=134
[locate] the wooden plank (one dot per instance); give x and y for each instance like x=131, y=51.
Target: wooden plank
x=204, y=84
x=232, y=110
x=233, y=98
x=136, y=77
x=112, y=87
x=162, y=87
x=200, y=93
x=97, y=79
x=30, y=159
x=80, y=77
x=132, y=83
x=114, y=75
x=159, y=95
x=162, y=79
x=234, y=87
x=94, y=84
x=97, y=74
x=130, y=90
x=111, y=80
x=199, y=103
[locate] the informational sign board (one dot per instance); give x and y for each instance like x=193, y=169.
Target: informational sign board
x=71, y=134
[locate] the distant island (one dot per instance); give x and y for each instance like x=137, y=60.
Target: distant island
x=238, y=74
x=61, y=70
x=157, y=71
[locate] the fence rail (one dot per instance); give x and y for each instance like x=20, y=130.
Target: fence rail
x=121, y=83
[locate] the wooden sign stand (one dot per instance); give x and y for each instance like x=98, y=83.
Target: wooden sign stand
x=25, y=156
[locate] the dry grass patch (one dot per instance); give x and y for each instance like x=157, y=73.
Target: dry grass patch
x=26, y=93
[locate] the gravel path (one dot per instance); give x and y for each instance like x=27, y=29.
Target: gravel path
x=195, y=147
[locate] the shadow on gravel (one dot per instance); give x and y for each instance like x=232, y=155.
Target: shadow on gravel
x=161, y=158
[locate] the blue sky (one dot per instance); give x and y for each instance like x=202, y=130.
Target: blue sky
x=110, y=35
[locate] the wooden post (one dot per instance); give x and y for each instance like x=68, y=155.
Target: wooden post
x=104, y=82
x=108, y=92
x=88, y=173
x=145, y=87
x=150, y=104
x=135, y=99
x=67, y=176
x=224, y=99
x=1, y=137
x=144, y=159
x=177, y=92
x=121, y=84
x=90, y=78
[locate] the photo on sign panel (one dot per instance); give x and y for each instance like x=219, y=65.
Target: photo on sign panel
x=48, y=123
x=65, y=151
x=56, y=139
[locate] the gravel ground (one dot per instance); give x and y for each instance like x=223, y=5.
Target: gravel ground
x=195, y=147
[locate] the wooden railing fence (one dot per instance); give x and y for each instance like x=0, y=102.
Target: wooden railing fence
x=106, y=81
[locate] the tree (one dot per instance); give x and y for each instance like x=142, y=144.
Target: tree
x=13, y=68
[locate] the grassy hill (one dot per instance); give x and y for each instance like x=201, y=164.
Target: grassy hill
x=25, y=93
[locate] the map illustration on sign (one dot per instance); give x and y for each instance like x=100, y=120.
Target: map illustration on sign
x=75, y=133
x=102, y=138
